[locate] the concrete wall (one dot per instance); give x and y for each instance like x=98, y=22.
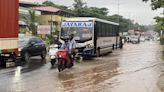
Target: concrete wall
x=46, y=20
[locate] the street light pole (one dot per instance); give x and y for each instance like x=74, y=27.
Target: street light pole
x=118, y=10
x=118, y=25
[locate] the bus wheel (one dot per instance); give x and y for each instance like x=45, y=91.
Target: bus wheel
x=98, y=52
x=113, y=46
x=121, y=46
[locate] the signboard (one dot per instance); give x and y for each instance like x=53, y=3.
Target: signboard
x=125, y=33
x=44, y=29
x=77, y=24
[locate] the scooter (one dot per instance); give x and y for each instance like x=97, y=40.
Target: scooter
x=53, y=49
x=64, y=61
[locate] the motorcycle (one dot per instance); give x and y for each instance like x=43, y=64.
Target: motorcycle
x=64, y=60
x=53, y=49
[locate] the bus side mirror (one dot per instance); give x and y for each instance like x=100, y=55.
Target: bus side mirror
x=32, y=43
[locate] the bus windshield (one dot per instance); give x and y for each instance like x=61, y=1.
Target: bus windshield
x=81, y=34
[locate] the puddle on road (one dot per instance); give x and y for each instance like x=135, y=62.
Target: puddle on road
x=134, y=70
x=88, y=78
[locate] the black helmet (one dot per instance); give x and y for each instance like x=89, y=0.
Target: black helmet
x=66, y=38
x=71, y=36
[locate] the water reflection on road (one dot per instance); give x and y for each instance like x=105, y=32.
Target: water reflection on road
x=135, y=68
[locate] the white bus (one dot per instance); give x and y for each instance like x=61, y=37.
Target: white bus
x=93, y=36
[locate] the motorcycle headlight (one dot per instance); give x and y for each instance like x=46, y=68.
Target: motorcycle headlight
x=52, y=57
x=76, y=50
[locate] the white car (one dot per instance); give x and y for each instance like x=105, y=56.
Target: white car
x=134, y=39
x=158, y=38
x=142, y=39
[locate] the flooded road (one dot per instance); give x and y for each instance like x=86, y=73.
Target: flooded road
x=135, y=68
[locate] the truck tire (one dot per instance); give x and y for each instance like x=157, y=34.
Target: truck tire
x=13, y=56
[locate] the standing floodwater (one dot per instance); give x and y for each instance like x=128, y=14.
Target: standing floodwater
x=135, y=68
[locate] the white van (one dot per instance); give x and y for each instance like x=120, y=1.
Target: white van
x=134, y=39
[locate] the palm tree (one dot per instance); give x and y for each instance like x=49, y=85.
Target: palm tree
x=31, y=21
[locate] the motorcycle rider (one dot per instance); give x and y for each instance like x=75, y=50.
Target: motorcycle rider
x=69, y=44
x=72, y=44
x=65, y=45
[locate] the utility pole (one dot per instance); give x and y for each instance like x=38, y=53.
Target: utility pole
x=118, y=7
x=51, y=23
x=129, y=21
x=51, y=26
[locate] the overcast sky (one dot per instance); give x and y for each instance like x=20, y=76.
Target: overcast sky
x=134, y=9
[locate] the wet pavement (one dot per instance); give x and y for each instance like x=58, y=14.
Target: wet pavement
x=135, y=68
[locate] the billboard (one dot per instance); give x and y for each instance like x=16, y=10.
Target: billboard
x=44, y=29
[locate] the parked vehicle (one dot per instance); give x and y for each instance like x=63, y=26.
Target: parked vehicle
x=134, y=39
x=93, y=36
x=142, y=39
x=8, y=30
x=158, y=38
x=64, y=60
x=147, y=38
x=31, y=46
x=128, y=39
x=53, y=49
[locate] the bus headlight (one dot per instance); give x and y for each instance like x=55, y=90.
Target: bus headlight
x=89, y=46
x=76, y=50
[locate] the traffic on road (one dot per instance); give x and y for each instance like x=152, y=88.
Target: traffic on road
x=136, y=68
x=49, y=47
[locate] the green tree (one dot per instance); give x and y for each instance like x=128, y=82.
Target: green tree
x=98, y=12
x=156, y=3
x=160, y=24
x=78, y=4
x=31, y=21
x=80, y=8
x=48, y=3
x=125, y=24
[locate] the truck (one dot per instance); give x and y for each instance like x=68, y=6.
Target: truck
x=134, y=39
x=8, y=30
x=134, y=35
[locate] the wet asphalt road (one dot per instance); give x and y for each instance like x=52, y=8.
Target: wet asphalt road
x=135, y=68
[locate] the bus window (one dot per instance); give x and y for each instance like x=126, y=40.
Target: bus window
x=106, y=30
x=110, y=30
x=103, y=30
x=80, y=33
